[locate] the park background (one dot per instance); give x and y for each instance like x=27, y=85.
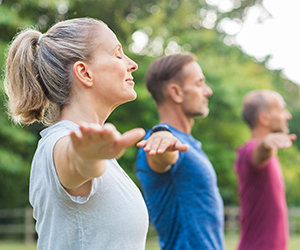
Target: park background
x=148, y=29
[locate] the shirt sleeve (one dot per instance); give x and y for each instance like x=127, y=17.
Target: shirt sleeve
x=57, y=186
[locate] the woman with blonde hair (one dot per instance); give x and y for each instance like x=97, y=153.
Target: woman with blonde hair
x=71, y=78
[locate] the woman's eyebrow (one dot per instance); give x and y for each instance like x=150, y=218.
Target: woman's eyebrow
x=116, y=48
x=201, y=79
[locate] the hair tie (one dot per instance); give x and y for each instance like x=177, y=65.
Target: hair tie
x=40, y=39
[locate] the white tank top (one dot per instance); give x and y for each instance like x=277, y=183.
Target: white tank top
x=112, y=217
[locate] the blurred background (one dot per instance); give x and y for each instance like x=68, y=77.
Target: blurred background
x=148, y=29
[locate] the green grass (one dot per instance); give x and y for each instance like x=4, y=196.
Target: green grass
x=230, y=243
x=152, y=244
x=12, y=245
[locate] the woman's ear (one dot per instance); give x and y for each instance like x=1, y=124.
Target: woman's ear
x=83, y=74
x=175, y=92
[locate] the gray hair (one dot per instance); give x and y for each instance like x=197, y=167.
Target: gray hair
x=256, y=102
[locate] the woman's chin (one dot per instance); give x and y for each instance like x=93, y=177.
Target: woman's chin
x=130, y=97
x=133, y=95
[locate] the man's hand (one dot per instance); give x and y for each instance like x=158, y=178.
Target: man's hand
x=162, y=150
x=269, y=145
x=275, y=141
x=160, y=142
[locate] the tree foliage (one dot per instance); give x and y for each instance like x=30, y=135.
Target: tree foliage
x=148, y=29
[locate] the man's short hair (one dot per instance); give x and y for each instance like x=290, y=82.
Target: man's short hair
x=255, y=102
x=165, y=69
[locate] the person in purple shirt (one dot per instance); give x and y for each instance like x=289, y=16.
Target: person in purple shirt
x=264, y=214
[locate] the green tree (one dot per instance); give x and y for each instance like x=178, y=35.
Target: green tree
x=17, y=144
x=148, y=29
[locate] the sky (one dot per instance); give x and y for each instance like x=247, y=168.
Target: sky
x=278, y=35
x=274, y=33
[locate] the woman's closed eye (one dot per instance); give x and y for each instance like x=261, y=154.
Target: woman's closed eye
x=119, y=55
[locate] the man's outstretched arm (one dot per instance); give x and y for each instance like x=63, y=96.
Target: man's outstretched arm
x=269, y=145
x=162, y=150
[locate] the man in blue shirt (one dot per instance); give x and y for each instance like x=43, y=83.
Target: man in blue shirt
x=178, y=181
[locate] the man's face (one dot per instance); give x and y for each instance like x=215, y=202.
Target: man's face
x=279, y=115
x=195, y=91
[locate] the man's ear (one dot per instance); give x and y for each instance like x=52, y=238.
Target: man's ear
x=82, y=73
x=264, y=118
x=175, y=92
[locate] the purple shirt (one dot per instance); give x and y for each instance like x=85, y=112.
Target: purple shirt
x=264, y=214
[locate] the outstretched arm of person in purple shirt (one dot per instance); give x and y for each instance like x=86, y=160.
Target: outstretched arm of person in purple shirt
x=268, y=146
